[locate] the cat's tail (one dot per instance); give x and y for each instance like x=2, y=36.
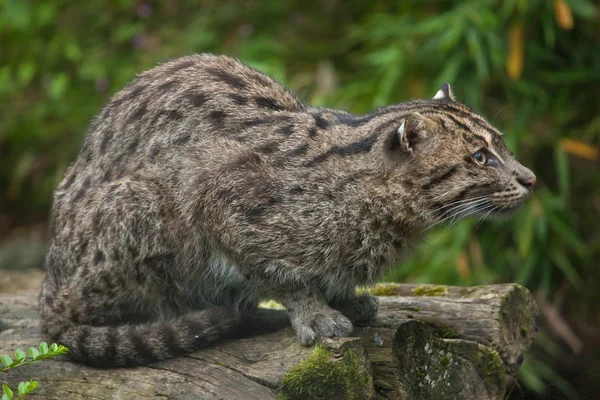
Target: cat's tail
x=139, y=344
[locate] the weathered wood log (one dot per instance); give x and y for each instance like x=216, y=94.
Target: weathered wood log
x=428, y=342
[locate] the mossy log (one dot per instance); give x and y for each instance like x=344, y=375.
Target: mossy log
x=428, y=342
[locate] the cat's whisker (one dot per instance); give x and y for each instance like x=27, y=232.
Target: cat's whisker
x=459, y=209
x=458, y=202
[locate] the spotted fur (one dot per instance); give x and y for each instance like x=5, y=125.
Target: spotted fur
x=204, y=186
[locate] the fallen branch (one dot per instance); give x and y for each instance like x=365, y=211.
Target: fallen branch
x=427, y=342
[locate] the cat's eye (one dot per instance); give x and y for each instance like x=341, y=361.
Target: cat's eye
x=480, y=157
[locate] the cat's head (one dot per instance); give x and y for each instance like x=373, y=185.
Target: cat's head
x=455, y=159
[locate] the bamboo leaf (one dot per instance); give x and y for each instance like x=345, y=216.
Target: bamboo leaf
x=562, y=172
x=563, y=263
x=568, y=236
x=564, y=17
x=526, y=270
x=516, y=51
x=580, y=149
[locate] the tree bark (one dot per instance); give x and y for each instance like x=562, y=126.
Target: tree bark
x=428, y=342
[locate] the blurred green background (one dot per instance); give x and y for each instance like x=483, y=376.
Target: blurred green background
x=531, y=67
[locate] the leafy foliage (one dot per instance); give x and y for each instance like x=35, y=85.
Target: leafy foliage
x=45, y=352
x=532, y=67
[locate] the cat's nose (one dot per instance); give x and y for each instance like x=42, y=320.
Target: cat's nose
x=527, y=179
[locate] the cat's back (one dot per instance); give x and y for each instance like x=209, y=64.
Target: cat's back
x=172, y=109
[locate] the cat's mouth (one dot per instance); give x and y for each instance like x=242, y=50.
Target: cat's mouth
x=507, y=203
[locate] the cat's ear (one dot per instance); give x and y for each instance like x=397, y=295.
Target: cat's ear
x=445, y=93
x=413, y=130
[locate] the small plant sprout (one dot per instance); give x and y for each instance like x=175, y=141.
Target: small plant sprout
x=20, y=359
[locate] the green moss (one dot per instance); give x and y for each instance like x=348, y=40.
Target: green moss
x=272, y=304
x=319, y=377
x=524, y=330
x=468, y=291
x=383, y=385
x=416, y=309
x=381, y=289
x=429, y=290
x=445, y=361
x=221, y=364
x=491, y=365
x=446, y=332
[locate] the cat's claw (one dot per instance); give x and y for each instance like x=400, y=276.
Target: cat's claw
x=320, y=325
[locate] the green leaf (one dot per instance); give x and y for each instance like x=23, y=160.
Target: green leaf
x=46, y=12
x=44, y=348
x=530, y=378
x=32, y=385
x=546, y=281
x=451, y=70
x=525, y=233
x=7, y=392
x=22, y=389
x=33, y=352
x=550, y=375
x=542, y=227
x=27, y=387
x=476, y=50
x=20, y=355
x=17, y=15
x=584, y=9
x=58, y=86
x=568, y=235
x=563, y=263
x=526, y=270
x=26, y=72
x=60, y=349
x=6, y=360
x=73, y=52
x=54, y=347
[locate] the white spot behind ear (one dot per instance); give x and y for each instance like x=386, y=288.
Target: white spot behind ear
x=440, y=95
x=445, y=92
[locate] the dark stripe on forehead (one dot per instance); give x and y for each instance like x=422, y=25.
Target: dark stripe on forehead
x=445, y=107
x=477, y=120
x=458, y=123
x=469, y=137
x=473, y=139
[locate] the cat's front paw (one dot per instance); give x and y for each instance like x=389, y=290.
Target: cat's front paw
x=360, y=309
x=321, y=324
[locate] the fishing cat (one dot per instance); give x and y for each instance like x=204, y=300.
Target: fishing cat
x=204, y=187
